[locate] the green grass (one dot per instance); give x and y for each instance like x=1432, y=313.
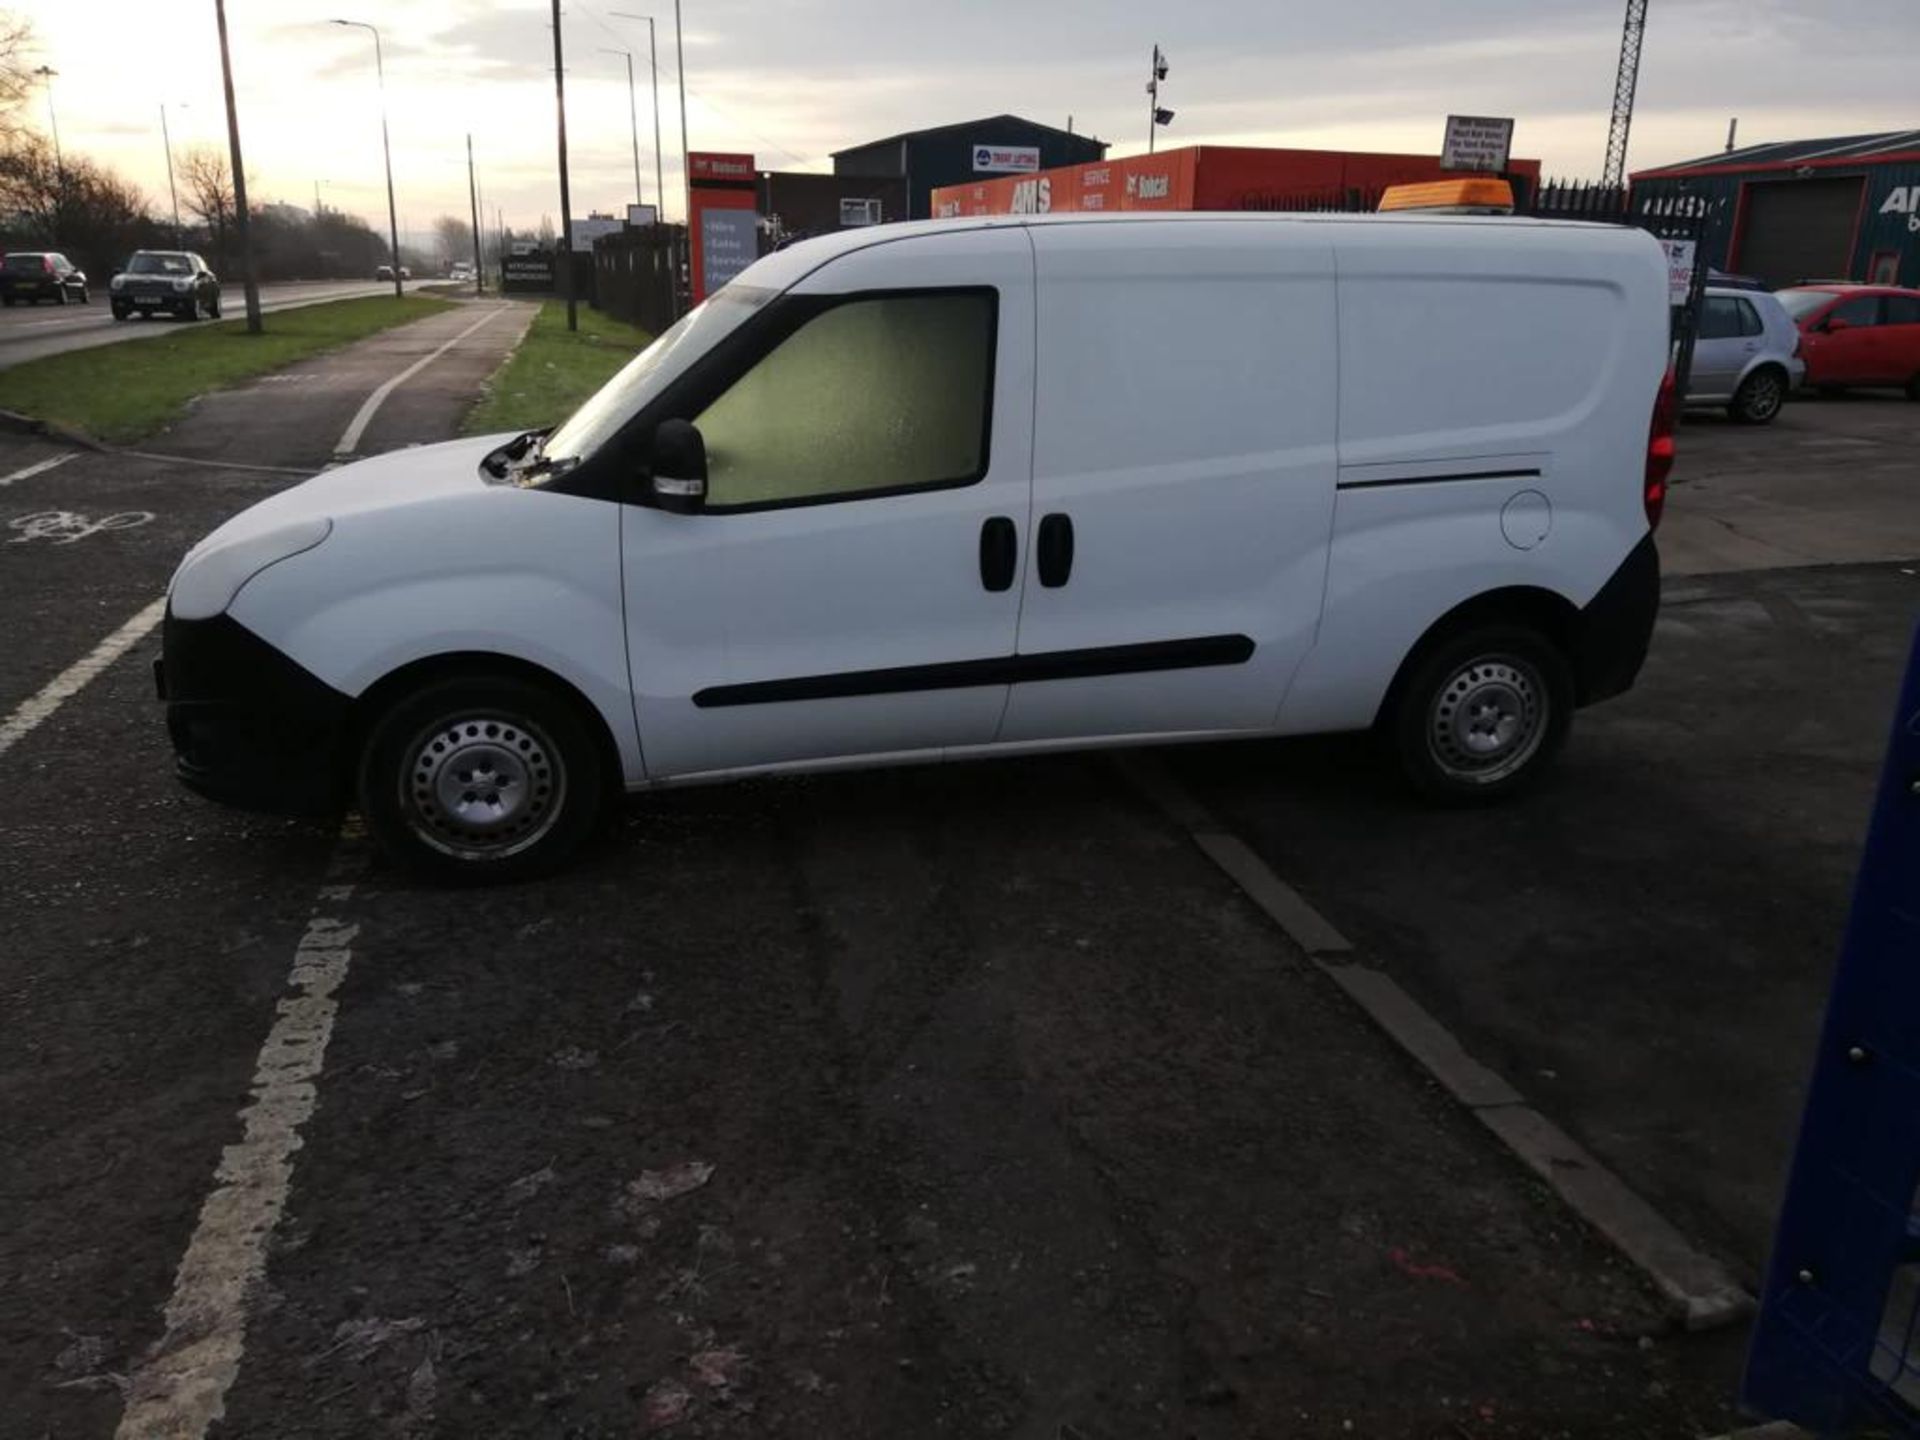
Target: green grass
x=121, y=392
x=545, y=380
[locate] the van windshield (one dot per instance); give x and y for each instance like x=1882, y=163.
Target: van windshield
x=688, y=338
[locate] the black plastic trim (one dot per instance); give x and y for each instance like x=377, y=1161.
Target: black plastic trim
x=249, y=726
x=1206, y=650
x=1533, y=474
x=1616, y=626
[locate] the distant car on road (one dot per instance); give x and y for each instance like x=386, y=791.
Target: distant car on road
x=461, y=270
x=383, y=272
x=36, y=275
x=1746, y=356
x=405, y=273
x=176, y=281
x=1858, y=335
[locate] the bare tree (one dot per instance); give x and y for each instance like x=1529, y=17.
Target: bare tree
x=16, y=71
x=454, y=237
x=84, y=208
x=207, y=181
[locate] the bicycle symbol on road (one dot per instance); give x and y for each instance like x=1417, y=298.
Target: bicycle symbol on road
x=63, y=527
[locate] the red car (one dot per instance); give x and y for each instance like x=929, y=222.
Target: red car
x=1858, y=335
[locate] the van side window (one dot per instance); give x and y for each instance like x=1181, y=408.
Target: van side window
x=875, y=395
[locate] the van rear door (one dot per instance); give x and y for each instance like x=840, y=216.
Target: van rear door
x=1184, y=461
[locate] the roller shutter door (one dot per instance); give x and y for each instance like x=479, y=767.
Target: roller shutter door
x=1800, y=229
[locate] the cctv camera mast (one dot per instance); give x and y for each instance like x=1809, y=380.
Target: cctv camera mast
x=1156, y=117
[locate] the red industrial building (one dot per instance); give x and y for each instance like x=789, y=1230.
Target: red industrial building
x=1205, y=177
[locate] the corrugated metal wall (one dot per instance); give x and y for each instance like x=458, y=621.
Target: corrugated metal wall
x=1885, y=227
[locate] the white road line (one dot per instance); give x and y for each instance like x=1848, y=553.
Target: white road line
x=71, y=681
x=39, y=469
x=180, y=1388
x=1700, y=1288
x=379, y=397
x=307, y=470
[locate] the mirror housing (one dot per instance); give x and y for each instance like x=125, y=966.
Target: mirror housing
x=677, y=465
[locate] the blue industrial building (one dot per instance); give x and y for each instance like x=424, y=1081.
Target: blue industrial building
x=1847, y=208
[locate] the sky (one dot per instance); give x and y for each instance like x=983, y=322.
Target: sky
x=794, y=80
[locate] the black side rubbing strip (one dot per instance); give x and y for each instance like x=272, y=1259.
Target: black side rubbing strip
x=1193, y=654
x=1533, y=474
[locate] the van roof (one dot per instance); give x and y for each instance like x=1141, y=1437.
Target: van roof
x=785, y=267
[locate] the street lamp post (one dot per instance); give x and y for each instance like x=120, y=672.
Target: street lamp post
x=633, y=120
x=686, y=165
x=46, y=73
x=659, y=164
x=166, y=139
x=386, y=147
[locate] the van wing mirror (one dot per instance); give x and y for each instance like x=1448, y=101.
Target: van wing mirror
x=677, y=465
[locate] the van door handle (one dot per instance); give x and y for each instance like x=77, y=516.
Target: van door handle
x=999, y=553
x=1055, y=551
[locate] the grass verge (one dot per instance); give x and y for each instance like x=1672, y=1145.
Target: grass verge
x=121, y=392
x=554, y=369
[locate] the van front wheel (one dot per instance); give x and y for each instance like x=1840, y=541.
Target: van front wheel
x=473, y=780
x=1482, y=713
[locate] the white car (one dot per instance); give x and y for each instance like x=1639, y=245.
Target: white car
x=973, y=488
x=1746, y=355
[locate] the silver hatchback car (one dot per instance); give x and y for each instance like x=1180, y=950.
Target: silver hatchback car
x=1746, y=356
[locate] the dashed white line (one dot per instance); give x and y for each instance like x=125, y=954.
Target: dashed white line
x=357, y=426
x=180, y=1389
x=75, y=678
x=40, y=468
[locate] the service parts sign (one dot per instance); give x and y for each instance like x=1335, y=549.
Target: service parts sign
x=1006, y=159
x=729, y=242
x=1477, y=142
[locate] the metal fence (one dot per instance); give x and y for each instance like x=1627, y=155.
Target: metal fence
x=639, y=276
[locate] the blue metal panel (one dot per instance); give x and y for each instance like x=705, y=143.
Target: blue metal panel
x=1837, y=1344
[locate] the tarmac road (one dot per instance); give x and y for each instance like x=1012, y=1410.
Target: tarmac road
x=952, y=1101
x=29, y=332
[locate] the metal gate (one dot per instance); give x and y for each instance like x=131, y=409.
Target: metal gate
x=1837, y=1345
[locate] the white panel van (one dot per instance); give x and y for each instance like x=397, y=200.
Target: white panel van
x=931, y=491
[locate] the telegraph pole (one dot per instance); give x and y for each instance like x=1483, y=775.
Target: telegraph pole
x=247, y=280
x=565, y=260
x=473, y=198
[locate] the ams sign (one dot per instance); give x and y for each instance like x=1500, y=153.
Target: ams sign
x=1904, y=200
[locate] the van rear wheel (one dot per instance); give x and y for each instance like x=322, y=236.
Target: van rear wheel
x=480, y=779
x=1481, y=714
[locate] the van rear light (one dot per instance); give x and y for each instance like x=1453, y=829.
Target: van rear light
x=1660, y=450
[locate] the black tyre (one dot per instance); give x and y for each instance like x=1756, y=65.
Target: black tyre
x=7, y=301
x=190, y=311
x=481, y=779
x=1759, y=397
x=1913, y=388
x=119, y=312
x=1480, y=714
x=86, y=296
x=213, y=308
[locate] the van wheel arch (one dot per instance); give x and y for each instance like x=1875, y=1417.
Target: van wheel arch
x=388, y=689
x=1553, y=616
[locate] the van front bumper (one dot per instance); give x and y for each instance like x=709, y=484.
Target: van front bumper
x=249, y=726
x=1616, y=626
